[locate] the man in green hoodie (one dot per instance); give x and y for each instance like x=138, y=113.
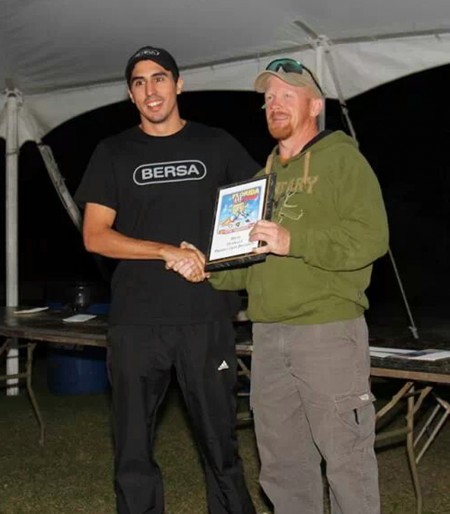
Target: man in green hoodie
x=310, y=389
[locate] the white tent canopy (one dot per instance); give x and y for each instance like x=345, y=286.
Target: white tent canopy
x=60, y=58
x=66, y=58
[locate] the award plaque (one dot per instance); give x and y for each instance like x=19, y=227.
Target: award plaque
x=238, y=207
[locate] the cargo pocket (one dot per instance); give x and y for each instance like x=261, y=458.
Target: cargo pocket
x=356, y=411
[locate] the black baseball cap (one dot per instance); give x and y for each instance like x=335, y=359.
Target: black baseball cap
x=151, y=53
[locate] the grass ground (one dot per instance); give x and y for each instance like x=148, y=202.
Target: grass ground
x=72, y=473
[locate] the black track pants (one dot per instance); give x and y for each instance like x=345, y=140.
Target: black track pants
x=204, y=358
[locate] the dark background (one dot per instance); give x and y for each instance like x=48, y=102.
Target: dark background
x=402, y=128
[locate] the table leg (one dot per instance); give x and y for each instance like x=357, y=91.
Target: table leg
x=29, y=374
x=245, y=416
x=441, y=404
x=407, y=391
x=410, y=450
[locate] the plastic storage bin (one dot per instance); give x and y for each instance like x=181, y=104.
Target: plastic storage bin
x=77, y=371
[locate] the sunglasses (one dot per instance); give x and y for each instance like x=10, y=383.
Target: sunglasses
x=292, y=66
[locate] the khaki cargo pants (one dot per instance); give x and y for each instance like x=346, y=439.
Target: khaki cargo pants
x=311, y=402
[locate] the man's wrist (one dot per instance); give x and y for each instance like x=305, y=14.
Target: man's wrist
x=162, y=251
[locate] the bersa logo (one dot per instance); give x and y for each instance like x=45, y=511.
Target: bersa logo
x=175, y=171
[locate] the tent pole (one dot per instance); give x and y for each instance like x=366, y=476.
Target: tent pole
x=319, y=51
x=60, y=186
x=11, y=217
x=31, y=127
x=67, y=200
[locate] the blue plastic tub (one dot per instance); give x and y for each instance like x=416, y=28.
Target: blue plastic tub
x=80, y=369
x=77, y=371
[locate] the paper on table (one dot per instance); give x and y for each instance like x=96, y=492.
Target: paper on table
x=403, y=353
x=31, y=311
x=379, y=351
x=79, y=318
x=427, y=355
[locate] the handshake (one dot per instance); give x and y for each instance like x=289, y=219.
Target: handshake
x=189, y=261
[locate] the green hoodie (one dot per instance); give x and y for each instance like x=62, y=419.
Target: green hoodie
x=334, y=211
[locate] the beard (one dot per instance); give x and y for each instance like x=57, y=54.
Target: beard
x=280, y=132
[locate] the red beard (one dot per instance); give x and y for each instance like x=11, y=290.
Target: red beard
x=280, y=132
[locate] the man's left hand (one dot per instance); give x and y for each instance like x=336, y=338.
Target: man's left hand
x=276, y=237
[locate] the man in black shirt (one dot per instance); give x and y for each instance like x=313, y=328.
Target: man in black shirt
x=144, y=192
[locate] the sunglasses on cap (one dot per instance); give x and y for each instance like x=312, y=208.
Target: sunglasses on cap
x=292, y=66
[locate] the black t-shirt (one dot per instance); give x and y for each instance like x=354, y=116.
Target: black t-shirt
x=164, y=189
